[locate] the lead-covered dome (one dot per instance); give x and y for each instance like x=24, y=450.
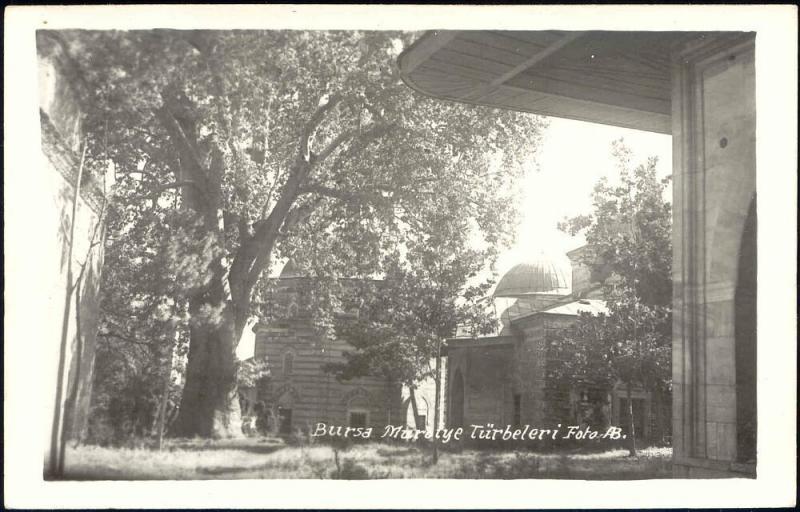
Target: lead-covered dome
x=542, y=274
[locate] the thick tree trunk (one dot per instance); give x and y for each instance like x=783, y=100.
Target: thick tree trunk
x=209, y=405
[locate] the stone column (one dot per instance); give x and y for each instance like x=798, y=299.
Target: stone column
x=713, y=116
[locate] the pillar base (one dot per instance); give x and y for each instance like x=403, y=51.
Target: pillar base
x=690, y=467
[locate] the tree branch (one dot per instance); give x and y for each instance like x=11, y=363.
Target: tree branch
x=268, y=200
x=207, y=48
x=176, y=132
x=361, y=143
x=156, y=191
x=299, y=214
x=328, y=192
x=313, y=123
x=334, y=144
x=152, y=175
x=255, y=255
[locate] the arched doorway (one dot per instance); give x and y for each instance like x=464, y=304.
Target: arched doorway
x=457, y=400
x=283, y=412
x=745, y=335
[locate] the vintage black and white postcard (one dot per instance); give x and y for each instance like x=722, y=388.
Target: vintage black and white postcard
x=486, y=256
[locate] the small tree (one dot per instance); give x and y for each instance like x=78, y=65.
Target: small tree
x=629, y=236
x=403, y=320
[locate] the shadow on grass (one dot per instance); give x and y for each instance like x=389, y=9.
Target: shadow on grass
x=101, y=474
x=260, y=447
x=397, y=453
x=258, y=450
x=229, y=470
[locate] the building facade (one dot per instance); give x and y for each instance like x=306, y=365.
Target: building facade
x=507, y=378
x=301, y=392
x=69, y=227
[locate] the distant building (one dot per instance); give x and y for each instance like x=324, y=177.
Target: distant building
x=300, y=392
x=503, y=378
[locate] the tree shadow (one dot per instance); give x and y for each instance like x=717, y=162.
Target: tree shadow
x=249, y=448
x=397, y=453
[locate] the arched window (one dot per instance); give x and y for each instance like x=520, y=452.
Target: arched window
x=288, y=363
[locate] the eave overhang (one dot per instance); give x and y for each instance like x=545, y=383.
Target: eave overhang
x=615, y=78
x=481, y=342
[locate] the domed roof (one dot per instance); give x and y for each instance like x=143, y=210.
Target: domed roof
x=543, y=274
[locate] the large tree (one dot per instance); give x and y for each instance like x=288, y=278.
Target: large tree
x=628, y=235
x=284, y=143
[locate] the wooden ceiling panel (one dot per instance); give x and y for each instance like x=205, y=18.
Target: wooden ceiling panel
x=485, y=65
x=480, y=76
x=596, y=91
x=605, y=77
x=539, y=38
x=508, y=56
x=501, y=40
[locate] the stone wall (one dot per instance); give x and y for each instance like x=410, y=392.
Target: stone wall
x=714, y=125
x=488, y=384
x=69, y=303
x=313, y=394
x=530, y=369
x=494, y=370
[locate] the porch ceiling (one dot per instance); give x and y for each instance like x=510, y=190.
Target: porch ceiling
x=617, y=78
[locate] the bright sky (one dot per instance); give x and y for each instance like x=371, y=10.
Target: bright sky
x=574, y=155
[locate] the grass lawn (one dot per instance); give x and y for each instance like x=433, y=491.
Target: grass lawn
x=271, y=458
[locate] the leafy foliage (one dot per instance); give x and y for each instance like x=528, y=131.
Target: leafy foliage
x=252, y=372
x=142, y=338
x=628, y=234
x=402, y=320
x=277, y=144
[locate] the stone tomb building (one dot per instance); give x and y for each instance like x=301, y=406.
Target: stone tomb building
x=300, y=392
x=503, y=378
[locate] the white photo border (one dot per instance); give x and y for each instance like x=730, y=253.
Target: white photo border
x=776, y=68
